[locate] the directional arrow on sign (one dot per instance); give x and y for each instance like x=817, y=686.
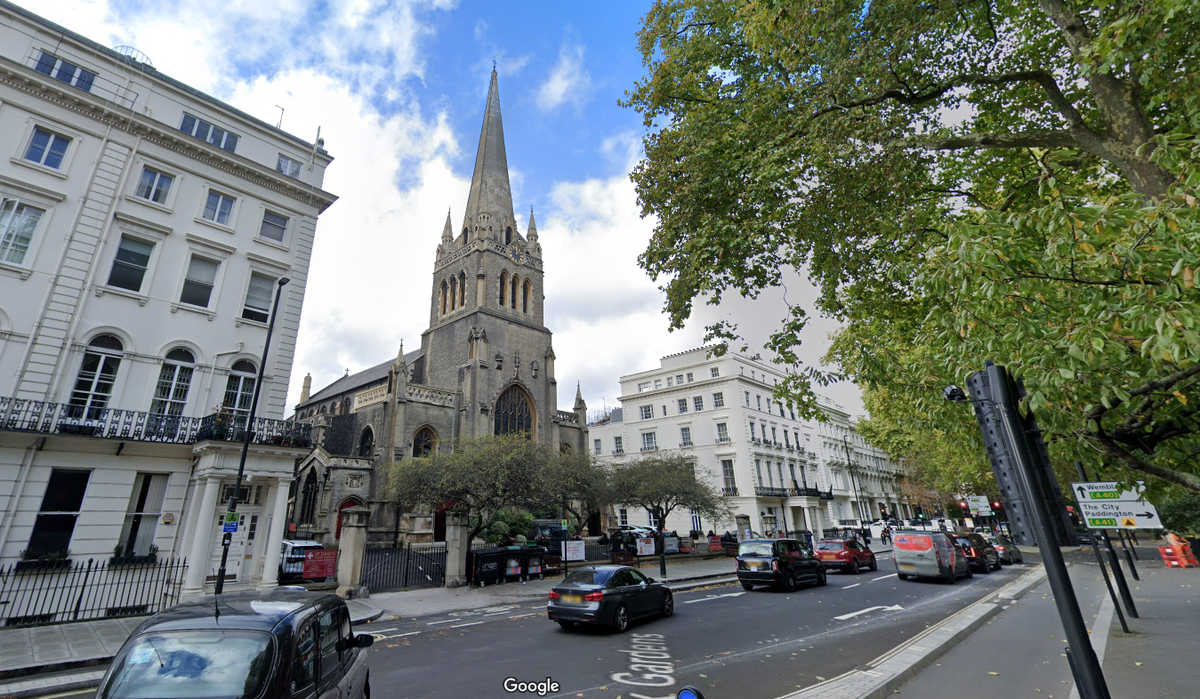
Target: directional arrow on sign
x=851, y=615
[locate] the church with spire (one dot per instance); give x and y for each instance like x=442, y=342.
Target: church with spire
x=485, y=367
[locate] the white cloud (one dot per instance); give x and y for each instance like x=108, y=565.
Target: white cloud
x=568, y=81
x=481, y=28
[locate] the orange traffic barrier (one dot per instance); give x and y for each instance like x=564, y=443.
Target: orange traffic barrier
x=1178, y=556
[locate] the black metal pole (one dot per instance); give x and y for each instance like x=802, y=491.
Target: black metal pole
x=226, y=538
x=1129, y=536
x=1128, y=558
x=1104, y=571
x=662, y=546
x=850, y=468
x=1086, y=666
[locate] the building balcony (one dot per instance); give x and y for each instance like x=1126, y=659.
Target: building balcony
x=685, y=445
x=729, y=492
x=618, y=452
x=723, y=440
x=764, y=491
x=653, y=447
x=805, y=492
x=40, y=417
x=825, y=495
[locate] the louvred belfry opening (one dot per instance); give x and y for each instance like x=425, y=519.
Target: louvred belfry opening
x=513, y=414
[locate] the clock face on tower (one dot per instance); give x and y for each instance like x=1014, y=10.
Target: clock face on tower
x=514, y=251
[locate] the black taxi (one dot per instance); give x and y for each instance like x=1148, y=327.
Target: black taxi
x=783, y=563
x=282, y=644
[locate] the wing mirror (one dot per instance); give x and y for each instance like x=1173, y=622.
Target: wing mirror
x=363, y=640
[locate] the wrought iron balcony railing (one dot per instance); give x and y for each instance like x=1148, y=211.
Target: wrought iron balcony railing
x=22, y=415
x=801, y=492
x=730, y=492
x=770, y=491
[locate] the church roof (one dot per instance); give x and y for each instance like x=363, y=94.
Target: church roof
x=490, y=191
x=350, y=382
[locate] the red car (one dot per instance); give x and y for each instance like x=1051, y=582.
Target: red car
x=847, y=554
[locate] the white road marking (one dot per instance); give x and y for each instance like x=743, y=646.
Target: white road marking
x=495, y=613
x=522, y=616
x=401, y=635
x=373, y=631
x=443, y=621
x=884, y=577
x=850, y=586
x=851, y=615
x=712, y=597
x=473, y=623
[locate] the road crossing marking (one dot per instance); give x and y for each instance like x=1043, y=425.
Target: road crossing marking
x=850, y=586
x=473, y=623
x=712, y=597
x=884, y=577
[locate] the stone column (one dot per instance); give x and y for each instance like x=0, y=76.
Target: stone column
x=351, y=549
x=457, y=545
x=193, y=583
x=270, y=575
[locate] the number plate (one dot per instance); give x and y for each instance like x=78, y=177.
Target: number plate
x=907, y=566
x=572, y=599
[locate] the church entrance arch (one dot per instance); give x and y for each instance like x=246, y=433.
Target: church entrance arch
x=352, y=502
x=515, y=412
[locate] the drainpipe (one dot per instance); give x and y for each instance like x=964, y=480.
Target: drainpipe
x=10, y=512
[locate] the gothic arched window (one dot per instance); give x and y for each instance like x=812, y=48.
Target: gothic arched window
x=453, y=293
x=508, y=235
x=443, y=298
x=366, y=443
x=503, y=288
x=512, y=302
x=462, y=289
x=308, y=501
x=513, y=413
x=424, y=442
x=526, y=289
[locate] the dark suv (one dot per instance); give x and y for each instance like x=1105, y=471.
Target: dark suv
x=777, y=562
x=979, y=552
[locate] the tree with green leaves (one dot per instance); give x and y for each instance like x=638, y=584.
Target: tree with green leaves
x=663, y=483
x=1008, y=180
x=579, y=483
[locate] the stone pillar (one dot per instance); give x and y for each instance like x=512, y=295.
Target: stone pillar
x=270, y=575
x=351, y=549
x=457, y=544
x=193, y=583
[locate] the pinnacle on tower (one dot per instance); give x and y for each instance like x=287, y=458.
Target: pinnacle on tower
x=579, y=404
x=531, y=234
x=448, y=231
x=490, y=191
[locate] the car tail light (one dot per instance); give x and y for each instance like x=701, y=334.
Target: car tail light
x=1000, y=549
x=597, y=596
x=971, y=551
x=554, y=595
x=775, y=566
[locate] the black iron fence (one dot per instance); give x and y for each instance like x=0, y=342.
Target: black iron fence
x=21, y=415
x=404, y=567
x=36, y=593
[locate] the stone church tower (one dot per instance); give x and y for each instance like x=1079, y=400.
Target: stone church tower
x=485, y=366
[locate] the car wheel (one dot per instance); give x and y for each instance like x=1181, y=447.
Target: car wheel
x=789, y=583
x=970, y=572
x=747, y=586
x=953, y=579
x=822, y=579
x=668, y=607
x=874, y=564
x=620, y=619
x=999, y=564
x=854, y=567
x=566, y=624
x=902, y=576
x=986, y=567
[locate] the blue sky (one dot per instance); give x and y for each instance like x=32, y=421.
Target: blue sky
x=397, y=88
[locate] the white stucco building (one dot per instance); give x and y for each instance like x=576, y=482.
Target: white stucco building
x=772, y=465
x=144, y=229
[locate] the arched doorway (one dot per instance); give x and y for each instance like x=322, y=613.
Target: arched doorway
x=514, y=412
x=352, y=502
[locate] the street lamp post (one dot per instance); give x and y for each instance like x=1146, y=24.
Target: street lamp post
x=853, y=481
x=227, y=537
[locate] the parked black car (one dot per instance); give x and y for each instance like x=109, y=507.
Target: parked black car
x=281, y=645
x=1005, y=548
x=781, y=563
x=608, y=595
x=979, y=552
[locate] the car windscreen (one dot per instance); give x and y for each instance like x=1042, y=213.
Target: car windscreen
x=756, y=548
x=589, y=576
x=191, y=665
x=829, y=545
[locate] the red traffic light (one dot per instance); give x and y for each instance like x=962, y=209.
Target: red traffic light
x=963, y=504
x=996, y=505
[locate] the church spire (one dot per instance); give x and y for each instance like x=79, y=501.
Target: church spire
x=448, y=231
x=490, y=191
x=531, y=233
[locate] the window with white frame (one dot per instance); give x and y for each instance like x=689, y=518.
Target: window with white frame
x=623, y=517
x=714, y=372
x=764, y=431
x=770, y=476
x=697, y=524
x=718, y=400
x=65, y=71
x=747, y=398
x=154, y=185
x=685, y=436
x=774, y=436
x=682, y=403
x=142, y=513
x=679, y=379
x=698, y=403
x=129, y=266
x=47, y=148
x=258, y=297
x=618, y=446
x=199, y=281
x=652, y=519
x=727, y=475
x=61, y=505
x=649, y=441
x=97, y=374
x=644, y=386
x=596, y=446
x=171, y=391
x=759, y=399
x=722, y=432
x=647, y=412
x=786, y=441
x=208, y=132
x=689, y=377
x=18, y=223
x=288, y=167
x=274, y=226
x=758, y=470
x=219, y=207
x=670, y=382
x=658, y=383
x=239, y=390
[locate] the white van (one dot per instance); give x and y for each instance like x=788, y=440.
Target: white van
x=291, y=560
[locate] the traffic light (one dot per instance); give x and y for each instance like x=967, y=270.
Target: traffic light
x=963, y=504
x=997, y=505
